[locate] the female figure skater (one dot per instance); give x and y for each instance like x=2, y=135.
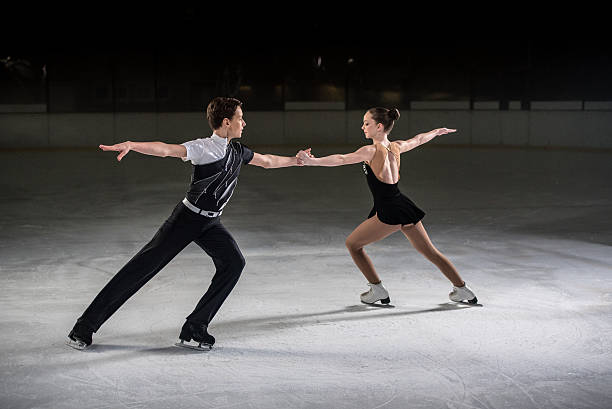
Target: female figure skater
x=392, y=210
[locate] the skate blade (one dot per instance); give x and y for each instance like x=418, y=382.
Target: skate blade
x=381, y=305
x=196, y=346
x=78, y=345
x=472, y=303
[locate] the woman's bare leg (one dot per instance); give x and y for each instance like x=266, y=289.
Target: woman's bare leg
x=369, y=231
x=420, y=240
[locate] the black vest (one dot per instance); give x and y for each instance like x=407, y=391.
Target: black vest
x=213, y=184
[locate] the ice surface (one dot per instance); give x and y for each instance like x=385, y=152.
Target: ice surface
x=530, y=231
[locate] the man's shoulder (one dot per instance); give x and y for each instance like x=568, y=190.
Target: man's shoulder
x=203, y=140
x=237, y=144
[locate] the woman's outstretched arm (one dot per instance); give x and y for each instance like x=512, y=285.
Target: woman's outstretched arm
x=422, y=138
x=364, y=153
x=148, y=148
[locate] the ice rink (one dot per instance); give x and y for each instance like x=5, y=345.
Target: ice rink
x=529, y=230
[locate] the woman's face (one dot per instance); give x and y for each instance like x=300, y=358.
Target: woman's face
x=369, y=127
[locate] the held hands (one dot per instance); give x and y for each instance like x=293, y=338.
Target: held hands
x=123, y=147
x=303, y=157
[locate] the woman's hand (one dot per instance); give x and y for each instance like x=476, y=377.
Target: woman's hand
x=303, y=157
x=442, y=131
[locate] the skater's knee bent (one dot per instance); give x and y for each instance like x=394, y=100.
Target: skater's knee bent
x=237, y=263
x=231, y=263
x=241, y=262
x=434, y=255
x=428, y=251
x=352, y=245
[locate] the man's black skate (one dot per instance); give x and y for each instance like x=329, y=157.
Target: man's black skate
x=203, y=341
x=80, y=337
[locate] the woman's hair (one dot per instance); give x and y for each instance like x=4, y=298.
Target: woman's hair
x=384, y=116
x=219, y=108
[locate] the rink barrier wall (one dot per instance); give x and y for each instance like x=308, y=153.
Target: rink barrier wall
x=547, y=124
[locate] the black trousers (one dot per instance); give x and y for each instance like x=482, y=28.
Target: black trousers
x=181, y=228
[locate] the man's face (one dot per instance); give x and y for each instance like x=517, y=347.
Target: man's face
x=237, y=124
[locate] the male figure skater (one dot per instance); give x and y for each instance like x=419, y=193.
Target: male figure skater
x=216, y=164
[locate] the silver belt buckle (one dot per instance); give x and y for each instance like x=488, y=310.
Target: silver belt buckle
x=197, y=210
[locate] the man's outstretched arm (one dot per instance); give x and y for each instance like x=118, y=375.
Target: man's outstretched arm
x=160, y=149
x=274, y=161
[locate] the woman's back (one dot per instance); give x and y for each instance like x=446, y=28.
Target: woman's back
x=386, y=163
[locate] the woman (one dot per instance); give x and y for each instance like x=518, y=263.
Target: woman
x=392, y=210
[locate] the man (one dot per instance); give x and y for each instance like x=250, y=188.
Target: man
x=216, y=164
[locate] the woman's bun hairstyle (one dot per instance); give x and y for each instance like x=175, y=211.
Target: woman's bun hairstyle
x=394, y=114
x=384, y=116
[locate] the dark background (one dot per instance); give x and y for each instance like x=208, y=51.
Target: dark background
x=176, y=58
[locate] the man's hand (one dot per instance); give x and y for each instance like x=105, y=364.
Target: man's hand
x=303, y=156
x=123, y=147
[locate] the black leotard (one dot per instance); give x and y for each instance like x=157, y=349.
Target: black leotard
x=391, y=206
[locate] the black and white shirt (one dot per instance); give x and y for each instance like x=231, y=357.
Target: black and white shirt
x=216, y=166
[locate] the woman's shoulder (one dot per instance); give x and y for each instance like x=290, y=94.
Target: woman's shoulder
x=394, y=146
x=375, y=147
x=366, y=152
x=367, y=149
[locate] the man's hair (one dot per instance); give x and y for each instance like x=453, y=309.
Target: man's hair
x=219, y=108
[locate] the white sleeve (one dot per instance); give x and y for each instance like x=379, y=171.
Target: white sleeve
x=191, y=147
x=201, y=151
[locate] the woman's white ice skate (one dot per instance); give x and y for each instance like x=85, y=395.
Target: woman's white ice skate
x=376, y=293
x=460, y=294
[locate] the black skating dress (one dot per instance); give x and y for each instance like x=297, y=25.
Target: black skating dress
x=391, y=206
